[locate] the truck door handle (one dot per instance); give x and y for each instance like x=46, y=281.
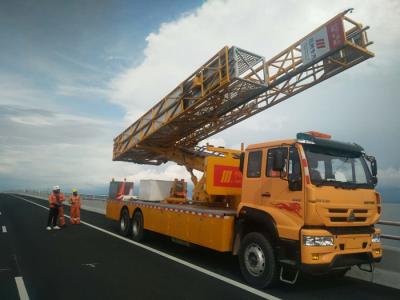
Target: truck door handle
x=266, y=194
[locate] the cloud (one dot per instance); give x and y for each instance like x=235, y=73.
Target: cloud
x=25, y=115
x=81, y=64
x=346, y=107
x=181, y=46
x=18, y=89
x=31, y=120
x=26, y=125
x=65, y=164
x=44, y=145
x=81, y=90
x=389, y=177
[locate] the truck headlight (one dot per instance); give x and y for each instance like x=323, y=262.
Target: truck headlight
x=376, y=238
x=312, y=240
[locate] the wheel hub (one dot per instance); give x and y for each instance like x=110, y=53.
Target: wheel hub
x=254, y=259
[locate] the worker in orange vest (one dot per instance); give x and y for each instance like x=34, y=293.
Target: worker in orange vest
x=75, y=202
x=61, y=218
x=55, y=202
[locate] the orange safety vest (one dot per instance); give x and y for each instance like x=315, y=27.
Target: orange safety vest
x=53, y=199
x=75, y=200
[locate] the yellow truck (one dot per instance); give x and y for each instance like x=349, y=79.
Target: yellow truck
x=303, y=204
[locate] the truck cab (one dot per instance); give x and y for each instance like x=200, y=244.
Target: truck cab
x=314, y=200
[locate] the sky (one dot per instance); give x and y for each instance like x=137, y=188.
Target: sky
x=74, y=74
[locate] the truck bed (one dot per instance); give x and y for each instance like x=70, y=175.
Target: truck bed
x=210, y=227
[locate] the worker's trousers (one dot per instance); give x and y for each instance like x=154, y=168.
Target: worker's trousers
x=53, y=213
x=61, y=215
x=75, y=214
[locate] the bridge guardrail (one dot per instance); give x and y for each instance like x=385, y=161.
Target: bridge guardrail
x=46, y=193
x=390, y=236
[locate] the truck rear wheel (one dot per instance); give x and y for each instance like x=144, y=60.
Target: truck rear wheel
x=124, y=223
x=137, y=226
x=257, y=261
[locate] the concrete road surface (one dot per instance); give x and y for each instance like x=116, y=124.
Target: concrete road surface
x=90, y=261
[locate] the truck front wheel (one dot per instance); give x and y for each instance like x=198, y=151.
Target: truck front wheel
x=124, y=222
x=257, y=261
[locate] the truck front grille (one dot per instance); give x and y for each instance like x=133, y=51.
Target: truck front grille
x=336, y=215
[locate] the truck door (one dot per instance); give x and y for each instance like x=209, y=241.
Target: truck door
x=254, y=168
x=283, y=191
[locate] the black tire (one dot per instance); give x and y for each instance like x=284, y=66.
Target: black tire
x=257, y=261
x=137, y=226
x=124, y=223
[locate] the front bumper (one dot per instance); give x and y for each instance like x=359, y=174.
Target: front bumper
x=341, y=261
x=348, y=250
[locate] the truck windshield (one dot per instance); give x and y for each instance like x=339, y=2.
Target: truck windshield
x=329, y=166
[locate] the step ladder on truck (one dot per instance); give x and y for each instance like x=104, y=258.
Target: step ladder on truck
x=303, y=204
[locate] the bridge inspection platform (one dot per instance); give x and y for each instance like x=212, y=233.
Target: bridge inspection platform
x=91, y=261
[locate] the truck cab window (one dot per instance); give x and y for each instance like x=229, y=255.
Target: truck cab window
x=254, y=164
x=337, y=167
x=317, y=167
x=270, y=161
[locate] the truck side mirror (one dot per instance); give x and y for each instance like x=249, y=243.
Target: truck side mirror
x=374, y=167
x=374, y=170
x=241, y=162
x=294, y=170
x=278, y=161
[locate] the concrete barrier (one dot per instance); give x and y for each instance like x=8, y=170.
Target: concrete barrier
x=98, y=206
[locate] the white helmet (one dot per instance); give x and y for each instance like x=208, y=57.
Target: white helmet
x=56, y=187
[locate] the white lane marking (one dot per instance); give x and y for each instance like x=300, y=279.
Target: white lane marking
x=175, y=259
x=92, y=265
x=23, y=294
x=0, y=213
x=4, y=229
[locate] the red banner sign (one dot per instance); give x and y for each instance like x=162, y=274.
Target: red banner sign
x=335, y=32
x=227, y=176
x=328, y=38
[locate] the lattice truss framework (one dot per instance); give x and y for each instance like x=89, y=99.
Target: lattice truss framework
x=232, y=86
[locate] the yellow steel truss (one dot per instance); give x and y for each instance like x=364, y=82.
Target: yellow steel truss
x=232, y=86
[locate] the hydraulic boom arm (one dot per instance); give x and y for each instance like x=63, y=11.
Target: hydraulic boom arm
x=234, y=85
